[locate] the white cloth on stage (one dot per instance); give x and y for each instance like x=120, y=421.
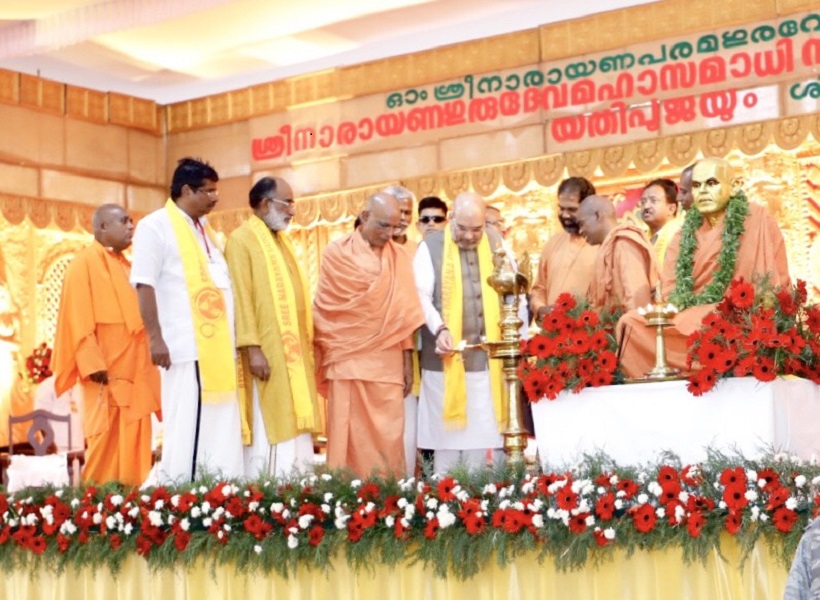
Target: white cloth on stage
x=69, y=403
x=35, y=471
x=279, y=460
x=445, y=460
x=219, y=447
x=411, y=404
x=481, y=431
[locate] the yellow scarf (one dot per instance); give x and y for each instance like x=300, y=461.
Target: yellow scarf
x=214, y=345
x=284, y=305
x=455, y=382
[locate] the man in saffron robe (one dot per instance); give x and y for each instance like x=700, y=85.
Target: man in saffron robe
x=101, y=342
x=567, y=259
x=186, y=301
x=689, y=281
x=274, y=334
x=365, y=312
x=625, y=268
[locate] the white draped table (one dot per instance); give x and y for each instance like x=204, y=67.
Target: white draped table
x=633, y=423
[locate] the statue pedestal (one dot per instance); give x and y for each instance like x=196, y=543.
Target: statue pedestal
x=634, y=423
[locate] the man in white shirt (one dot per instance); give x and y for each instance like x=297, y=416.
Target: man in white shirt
x=186, y=302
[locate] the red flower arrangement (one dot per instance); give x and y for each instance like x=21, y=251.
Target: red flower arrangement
x=763, y=333
x=38, y=365
x=576, y=348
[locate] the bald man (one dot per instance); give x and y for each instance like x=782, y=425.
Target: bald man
x=101, y=343
x=274, y=335
x=461, y=412
x=685, y=188
x=688, y=281
x=365, y=312
x=625, y=272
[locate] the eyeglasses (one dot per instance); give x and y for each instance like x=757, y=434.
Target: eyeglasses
x=209, y=193
x=288, y=203
x=428, y=219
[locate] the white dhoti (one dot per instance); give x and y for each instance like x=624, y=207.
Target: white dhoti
x=279, y=460
x=468, y=445
x=411, y=410
x=198, y=438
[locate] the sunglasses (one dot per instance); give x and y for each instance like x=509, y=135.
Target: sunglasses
x=427, y=219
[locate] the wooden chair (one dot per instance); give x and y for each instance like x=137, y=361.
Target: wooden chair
x=40, y=437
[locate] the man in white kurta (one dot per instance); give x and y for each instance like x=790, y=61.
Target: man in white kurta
x=462, y=434
x=198, y=436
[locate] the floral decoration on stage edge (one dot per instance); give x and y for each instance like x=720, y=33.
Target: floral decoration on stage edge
x=764, y=332
x=575, y=349
x=452, y=524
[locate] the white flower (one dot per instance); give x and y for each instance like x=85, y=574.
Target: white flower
x=590, y=520
x=518, y=505
x=429, y=515
x=293, y=530
x=247, y=494
x=750, y=495
x=642, y=477
x=203, y=489
x=145, y=498
x=654, y=488
x=755, y=513
x=537, y=521
x=128, y=529
x=356, y=483
x=327, y=477
x=620, y=494
x=556, y=485
x=800, y=481
x=504, y=504
x=219, y=512
x=402, y=502
x=431, y=503
x=537, y=504
x=134, y=512
x=252, y=506
x=226, y=527
x=227, y=490
x=389, y=520
x=340, y=522
x=59, y=493
x=257, y=548
x=75, y=503
x=68, y=528
x=762, y=483
x=609, y=533
x=619, y=504
x=206, y=507
x=601, y=490
x=185, y=524
x=277, y=507
x=660, y=512
x=369, y=507
x=613, y=480
x=220, y=534
x=791, y=503
x=764, y=517
x=404, y=522
x=195, y=512
x=110, y=522
x=159, y=504
x=328, y=496
x=445, y=518
x=683, y=497
x=97, y=518
x=643, y=498
x=325, y=508
x=551, y=514
x=679, y=513
x=206, y=522
x=751, y=474
x=116, y=499
x=304, y=521
x=489, y=490
x=721, y=504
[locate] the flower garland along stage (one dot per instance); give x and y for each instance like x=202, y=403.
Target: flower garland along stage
x=452, y=525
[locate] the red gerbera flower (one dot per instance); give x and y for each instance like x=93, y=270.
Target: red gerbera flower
x=598, y=341
x=764, y=369
x=607, y=361
x=735, y=496
x=565, y=302
x=605, y=507
x=431, y=529
x=667, y=474
x=565, y=498
x=701, y=382
x=644, y=518
x=784, y=519
x=601, y=378
x=600, y=538
x=445, y=489
x=777, y=497
x=733, y=522
x=742, y=294
x=474, y=525
x=628, y=487
x=316, y=535
x=369, y=492
x=694, y=524
x=589, y=318
x=731, y=476
x=578, y=523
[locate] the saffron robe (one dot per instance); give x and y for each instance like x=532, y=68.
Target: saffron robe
x=257, y=325
x=566, y=265
x=625, y=270
x=365, y=310
x=762, y=251
x=99, y=328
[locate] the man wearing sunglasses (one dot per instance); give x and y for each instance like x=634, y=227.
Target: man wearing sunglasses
x=432, y=215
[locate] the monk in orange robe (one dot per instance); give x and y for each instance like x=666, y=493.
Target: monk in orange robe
x=365, y=310
x=761, y=251
x=625, y=271
x=101, y=342
x=566, y=263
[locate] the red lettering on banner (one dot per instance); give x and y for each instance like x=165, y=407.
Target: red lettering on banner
x=509, y=104
x=532, y=100
x=583, y=92
x=638, y=118
x=424, y=118
x=568, y=128
x=679, y=110
x=454, y=113
x=678, y=76
x=650, y=87
x=775, y=62
x=712, y=70
x=346, y=133
x=483, y=109
x=304, y=138
x=365, y=129
x=811, y=52
x=608, y=122
x=555, y=96
x=326, y=136
x=623, y=88
x=738, y=58
x=273, y=146
x=390, y=124
x=719, y=104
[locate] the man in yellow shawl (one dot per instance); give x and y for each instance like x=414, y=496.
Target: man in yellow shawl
x=274, y=335
x=186, y=302
x=461, y=412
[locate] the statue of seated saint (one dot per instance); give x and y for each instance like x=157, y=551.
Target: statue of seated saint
x=723, y=238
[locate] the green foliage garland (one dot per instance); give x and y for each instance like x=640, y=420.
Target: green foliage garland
x=734, y=224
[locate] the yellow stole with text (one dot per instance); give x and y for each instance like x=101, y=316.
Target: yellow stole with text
x=284, y=305
x=214, y=344
x=452, y=292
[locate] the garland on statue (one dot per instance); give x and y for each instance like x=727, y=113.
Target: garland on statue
x=683, y=295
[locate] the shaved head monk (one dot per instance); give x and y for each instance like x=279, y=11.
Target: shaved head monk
x=365, y=312
x=625, y=271
x=101, y=342
x=461, y=409
x=567, y=259
x=699, y=267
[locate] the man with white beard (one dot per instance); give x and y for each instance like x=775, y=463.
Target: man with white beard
x=274, y=335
